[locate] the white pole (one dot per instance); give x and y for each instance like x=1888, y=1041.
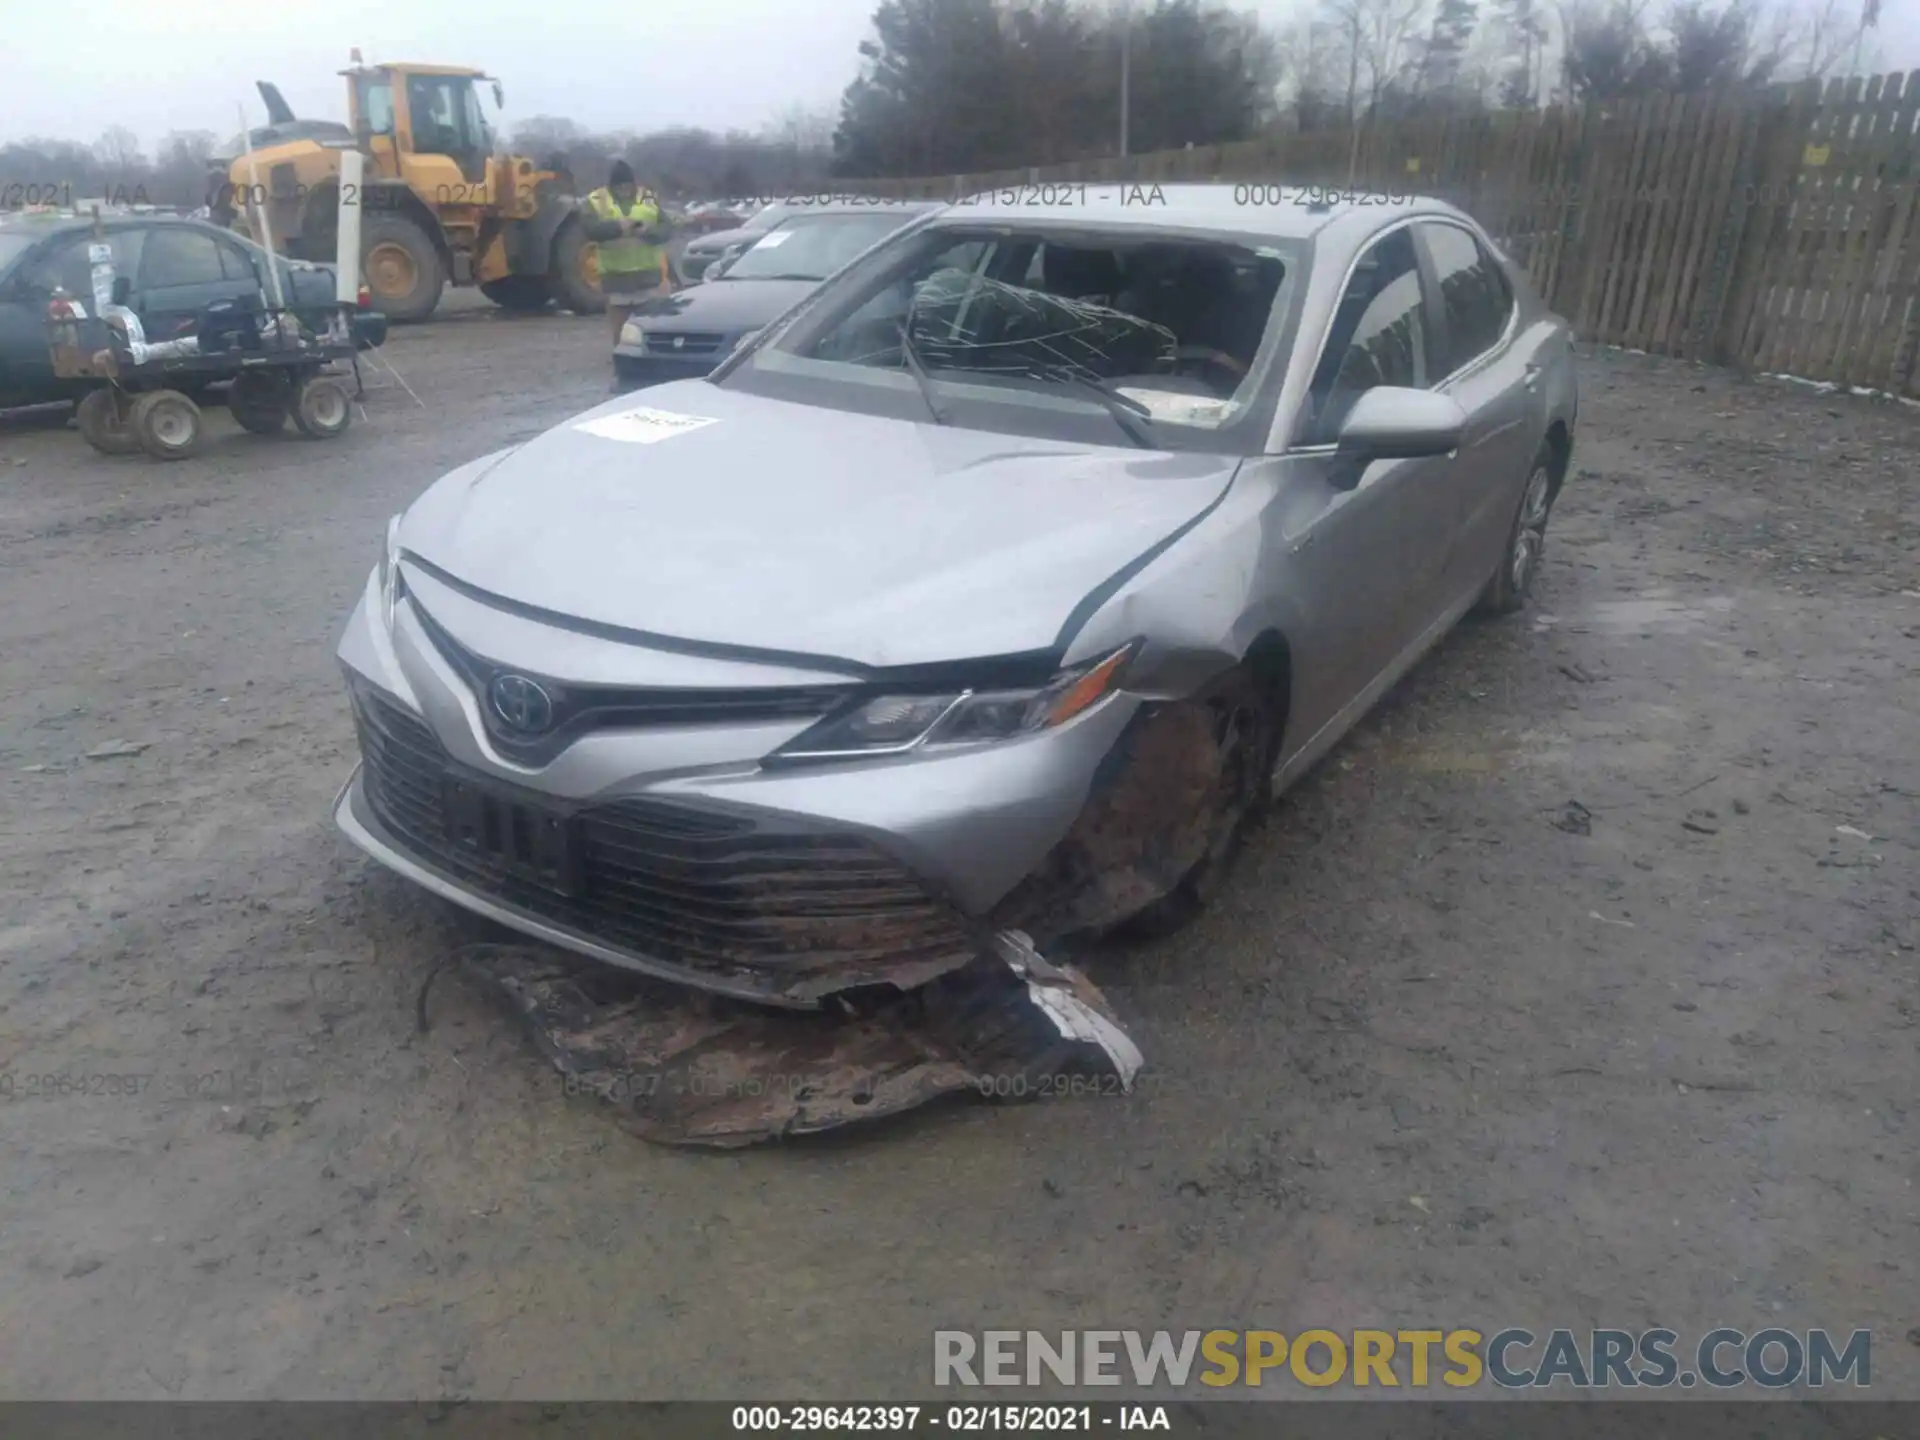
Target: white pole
x=264, y=232
x=346, y=264
x=1126, y=68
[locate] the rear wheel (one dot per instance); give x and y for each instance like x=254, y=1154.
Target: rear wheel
x=402, y=267
x=258, y=400
x=518, y=292
x=322, y=409
x=1511, y=584
x=576, y=271
x=167, y=424
x=103, y=420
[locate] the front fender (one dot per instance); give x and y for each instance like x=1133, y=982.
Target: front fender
x=1201, y=604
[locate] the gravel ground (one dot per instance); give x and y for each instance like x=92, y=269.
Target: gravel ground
x=1577, y=988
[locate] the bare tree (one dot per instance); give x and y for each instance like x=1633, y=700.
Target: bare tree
x=1438, y=70
x=800, y=128
x=1708, y=48
x=1371, y=38
x=1827, y=33
x=182, y=168
x=1309, y=56
x=1609, y=51
x=121, y=163
x=1521, y=28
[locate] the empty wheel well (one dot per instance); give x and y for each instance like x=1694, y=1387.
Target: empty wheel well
x=1270, y=659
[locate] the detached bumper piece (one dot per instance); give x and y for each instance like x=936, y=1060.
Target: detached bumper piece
x=760, y=909
x=688, y=1069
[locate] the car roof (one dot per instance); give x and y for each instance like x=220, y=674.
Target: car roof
x=1282, y=211
x=44, y=225
x=881, y=207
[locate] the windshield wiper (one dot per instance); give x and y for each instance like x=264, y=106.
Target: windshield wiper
x=917, y=368
x=810, y=279
x=1128, y=413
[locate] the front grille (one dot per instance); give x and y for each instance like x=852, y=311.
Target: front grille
x=710, y=891
x=579, y=709
x=668, y=343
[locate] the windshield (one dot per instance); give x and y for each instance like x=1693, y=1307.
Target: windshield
x=812, y=247
x=1122, y=335
x=13, y=245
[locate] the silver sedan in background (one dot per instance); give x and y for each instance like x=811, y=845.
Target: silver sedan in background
x=991, y=587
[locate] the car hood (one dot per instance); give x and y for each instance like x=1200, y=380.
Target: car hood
x=755, y=525
x=723, y=304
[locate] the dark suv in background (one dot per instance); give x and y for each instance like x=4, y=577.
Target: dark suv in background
x=177, y=267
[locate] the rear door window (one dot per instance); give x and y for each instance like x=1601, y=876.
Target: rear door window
x=178, y=256
x=236, y=264
x=1475, y=300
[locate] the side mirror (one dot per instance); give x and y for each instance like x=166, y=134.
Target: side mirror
x=1392, y=423
x=122, y=289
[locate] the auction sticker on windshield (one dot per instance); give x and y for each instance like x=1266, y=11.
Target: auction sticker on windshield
x=642, y=426
x=773, y=238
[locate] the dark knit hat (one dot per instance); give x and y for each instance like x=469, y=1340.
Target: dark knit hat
x=622, y=174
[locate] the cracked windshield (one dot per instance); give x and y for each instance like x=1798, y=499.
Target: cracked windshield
x=1166, y=330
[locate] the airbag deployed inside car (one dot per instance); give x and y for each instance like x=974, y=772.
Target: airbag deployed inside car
x=966, y=322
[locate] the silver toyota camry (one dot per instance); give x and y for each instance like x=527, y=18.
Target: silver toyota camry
x=993, y=586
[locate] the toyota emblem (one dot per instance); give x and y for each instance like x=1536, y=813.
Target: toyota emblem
x=679, y=342
x=521, y=704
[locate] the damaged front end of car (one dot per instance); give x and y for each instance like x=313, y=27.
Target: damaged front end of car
x=857, y=880
x=1005, y=1022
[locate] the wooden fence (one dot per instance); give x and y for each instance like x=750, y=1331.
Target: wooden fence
x=1776, y=231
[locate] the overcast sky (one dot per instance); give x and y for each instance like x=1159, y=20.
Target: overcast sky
x=74, y=67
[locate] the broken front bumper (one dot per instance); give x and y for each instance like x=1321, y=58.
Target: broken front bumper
x=757, y=907
x=755, y=903
x=669, y=851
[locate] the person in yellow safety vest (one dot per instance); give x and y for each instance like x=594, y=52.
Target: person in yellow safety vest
x=627, y=224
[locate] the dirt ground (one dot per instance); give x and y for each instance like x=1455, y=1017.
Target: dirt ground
x=1578, y=988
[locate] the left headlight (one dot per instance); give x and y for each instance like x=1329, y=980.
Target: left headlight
x=632, y=334
x=895, y=724
x=390, y=572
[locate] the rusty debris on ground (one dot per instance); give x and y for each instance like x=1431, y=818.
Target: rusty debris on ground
x=686, y=1068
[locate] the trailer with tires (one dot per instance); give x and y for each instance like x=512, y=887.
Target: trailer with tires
x=143, y=400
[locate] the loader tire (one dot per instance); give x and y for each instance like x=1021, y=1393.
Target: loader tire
x=403, y=267
x=576, y=271
x=519, y=292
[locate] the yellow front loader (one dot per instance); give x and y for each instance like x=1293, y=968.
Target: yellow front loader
x=440, y=206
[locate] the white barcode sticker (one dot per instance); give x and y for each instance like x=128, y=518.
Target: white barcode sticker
x=642, y=426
